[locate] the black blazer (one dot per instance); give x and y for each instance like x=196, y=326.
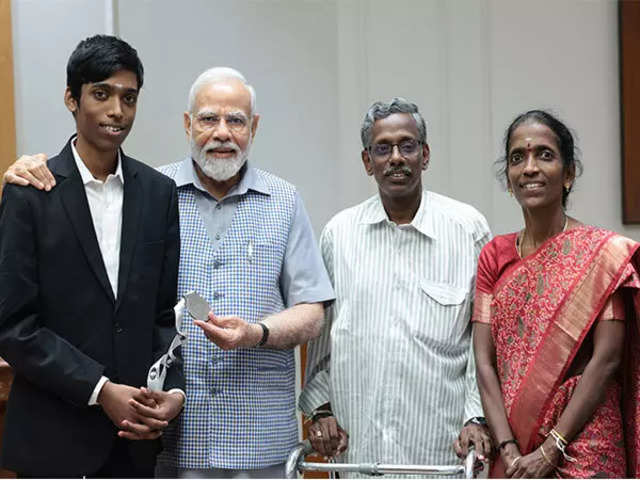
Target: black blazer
x=61, y=328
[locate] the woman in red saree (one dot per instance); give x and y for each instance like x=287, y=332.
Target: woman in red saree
x=555, y=324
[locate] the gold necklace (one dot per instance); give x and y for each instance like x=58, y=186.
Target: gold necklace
x=520, y=241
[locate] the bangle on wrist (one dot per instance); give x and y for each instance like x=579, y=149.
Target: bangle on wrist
x=546, y=459
x=561, y=444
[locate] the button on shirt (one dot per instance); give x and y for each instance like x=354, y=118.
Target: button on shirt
x=395, y=357
x=217, y=214
x=303, y=274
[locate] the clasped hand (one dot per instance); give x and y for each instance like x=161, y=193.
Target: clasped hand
x=139, y=413
x=533, y=465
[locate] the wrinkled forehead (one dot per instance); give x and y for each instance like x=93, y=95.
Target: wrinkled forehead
x=225, y=96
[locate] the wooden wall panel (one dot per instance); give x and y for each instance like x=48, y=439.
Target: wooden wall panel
x=6, y=377
x=7, y=117
x=305, y=430
x=629, y=11
x=7, y=156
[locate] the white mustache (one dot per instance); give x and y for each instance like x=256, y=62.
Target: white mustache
x=220, y=169
x=213, y=144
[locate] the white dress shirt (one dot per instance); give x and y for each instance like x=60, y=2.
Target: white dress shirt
x=105, y=204
x=395, y=357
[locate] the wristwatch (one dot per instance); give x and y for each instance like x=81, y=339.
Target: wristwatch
x=319, y=413
x=265, y=335
x=476, y=421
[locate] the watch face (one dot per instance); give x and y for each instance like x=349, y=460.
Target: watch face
x=477, y=421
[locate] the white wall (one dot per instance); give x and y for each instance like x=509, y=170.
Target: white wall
x=286, y=49
x=563, y=55
x=470, y=65
x=44, y=35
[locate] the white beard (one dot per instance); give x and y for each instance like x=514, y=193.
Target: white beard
x=219, y=169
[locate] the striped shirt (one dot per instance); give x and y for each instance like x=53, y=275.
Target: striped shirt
x=395, y=357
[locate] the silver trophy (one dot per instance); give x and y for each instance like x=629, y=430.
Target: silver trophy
x=199, y=309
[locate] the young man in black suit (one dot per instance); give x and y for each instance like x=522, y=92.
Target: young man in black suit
x=88, y=275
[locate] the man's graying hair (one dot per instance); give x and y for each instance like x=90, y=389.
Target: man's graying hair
x=218, y=74
x=380, y=110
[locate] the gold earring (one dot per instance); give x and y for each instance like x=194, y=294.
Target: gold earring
x=510, y=191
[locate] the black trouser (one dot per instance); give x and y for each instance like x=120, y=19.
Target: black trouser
x=119, y=464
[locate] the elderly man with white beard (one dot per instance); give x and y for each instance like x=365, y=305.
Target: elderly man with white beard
x=247, y=246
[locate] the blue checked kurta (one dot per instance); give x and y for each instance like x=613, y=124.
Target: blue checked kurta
x=394, y=358
x=240, y=409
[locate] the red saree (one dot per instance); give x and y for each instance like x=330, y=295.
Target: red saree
x=541, y=309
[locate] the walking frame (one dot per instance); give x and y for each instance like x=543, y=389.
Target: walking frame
x=296, y=464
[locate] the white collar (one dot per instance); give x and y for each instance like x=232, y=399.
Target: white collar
x=423, y=220
x=85, y=174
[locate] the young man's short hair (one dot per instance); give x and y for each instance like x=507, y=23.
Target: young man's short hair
x=97, y=58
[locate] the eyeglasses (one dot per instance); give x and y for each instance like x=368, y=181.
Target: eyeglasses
x=407, y=148
x=234, y=121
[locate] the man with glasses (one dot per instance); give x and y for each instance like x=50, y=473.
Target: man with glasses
x=248, y=248
x=392, y=377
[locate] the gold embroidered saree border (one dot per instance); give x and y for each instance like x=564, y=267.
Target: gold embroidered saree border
x=564, y=336
x=482, y=307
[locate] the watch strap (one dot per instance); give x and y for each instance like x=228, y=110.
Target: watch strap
x=265, y=335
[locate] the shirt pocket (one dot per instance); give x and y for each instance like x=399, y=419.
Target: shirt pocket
x=444, y=308
x=260, y=251
x=262, y=260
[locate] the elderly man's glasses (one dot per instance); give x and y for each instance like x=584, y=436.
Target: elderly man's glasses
x=233, y=121
x=406, y=148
